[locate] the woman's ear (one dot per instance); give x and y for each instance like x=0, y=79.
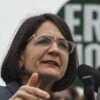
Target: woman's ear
x=21, y=60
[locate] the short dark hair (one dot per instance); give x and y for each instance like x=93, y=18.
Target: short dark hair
x=10, y=69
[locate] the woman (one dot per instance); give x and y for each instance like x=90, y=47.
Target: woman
x=42, y=59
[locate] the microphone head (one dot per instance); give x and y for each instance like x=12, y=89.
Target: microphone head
x=86, y=70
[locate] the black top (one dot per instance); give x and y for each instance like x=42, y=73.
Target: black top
x=7, y=91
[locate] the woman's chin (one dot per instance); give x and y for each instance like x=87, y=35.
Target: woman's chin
x=53, y=75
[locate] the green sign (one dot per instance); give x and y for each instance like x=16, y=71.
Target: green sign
x=83, y=18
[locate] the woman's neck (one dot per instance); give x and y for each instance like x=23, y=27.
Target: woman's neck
x=44, y=82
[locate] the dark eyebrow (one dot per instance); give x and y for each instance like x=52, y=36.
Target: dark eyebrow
x=45, y=35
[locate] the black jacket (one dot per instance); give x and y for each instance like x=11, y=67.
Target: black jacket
x=7, y=91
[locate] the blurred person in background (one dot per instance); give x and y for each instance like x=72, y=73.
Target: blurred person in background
x=69, y=94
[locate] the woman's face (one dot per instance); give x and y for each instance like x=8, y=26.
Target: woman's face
x=44, y=58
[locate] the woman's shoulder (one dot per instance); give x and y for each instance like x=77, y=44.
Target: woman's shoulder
x=7, y=91
x=4, y=93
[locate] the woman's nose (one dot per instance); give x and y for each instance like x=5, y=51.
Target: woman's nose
x=54, y=50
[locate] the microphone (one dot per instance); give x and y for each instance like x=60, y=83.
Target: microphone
x=86, y=70
x=88, y=87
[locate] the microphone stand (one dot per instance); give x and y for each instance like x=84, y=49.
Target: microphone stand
x=88, y=87
x=98, y=95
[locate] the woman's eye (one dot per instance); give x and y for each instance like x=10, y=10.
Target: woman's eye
x=43, y=41
x=63, y=45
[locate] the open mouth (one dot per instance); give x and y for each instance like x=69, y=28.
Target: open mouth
x=51, y=62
